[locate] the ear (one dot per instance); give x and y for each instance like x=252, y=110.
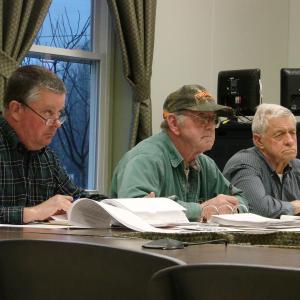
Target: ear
x=173, y=124
x=257, y=140
x=15, y=109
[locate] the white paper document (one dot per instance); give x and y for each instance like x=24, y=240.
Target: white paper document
x=38, y=225
x=139, y=214
x=253, y=220
x=161, y=215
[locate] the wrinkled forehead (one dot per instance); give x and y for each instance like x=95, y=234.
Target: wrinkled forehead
x=283, y=122
x=282, y=119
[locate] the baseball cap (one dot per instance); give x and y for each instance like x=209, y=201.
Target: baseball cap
x=194, y=97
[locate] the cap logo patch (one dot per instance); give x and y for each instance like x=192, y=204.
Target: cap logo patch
x=203, y=94
x=165, y=114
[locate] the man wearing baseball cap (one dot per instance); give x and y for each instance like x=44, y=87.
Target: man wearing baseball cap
x=172, y=164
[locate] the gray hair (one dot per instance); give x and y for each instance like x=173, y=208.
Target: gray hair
x=265, y=112
x=179, y=117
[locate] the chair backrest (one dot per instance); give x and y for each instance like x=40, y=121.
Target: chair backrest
x=224, y=281
x=38, y=269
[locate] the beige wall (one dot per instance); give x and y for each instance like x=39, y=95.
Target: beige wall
x=294, y=35
x=195, y=39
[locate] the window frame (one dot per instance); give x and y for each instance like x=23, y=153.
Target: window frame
x=102, y=45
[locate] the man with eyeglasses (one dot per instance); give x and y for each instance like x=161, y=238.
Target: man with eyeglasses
x=269, y=172
x=172, y=164
x=33, y=184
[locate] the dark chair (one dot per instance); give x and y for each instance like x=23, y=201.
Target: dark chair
x=224, y=281
x=38, y=269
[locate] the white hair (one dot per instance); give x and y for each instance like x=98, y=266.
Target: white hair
x=265, y=112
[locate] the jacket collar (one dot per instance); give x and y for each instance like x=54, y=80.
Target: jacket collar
x=174, y=155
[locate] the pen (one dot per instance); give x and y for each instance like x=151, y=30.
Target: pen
x=230, y=190
x=217, y=241
x=75, y=197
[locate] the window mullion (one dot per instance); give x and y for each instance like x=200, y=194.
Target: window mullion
x=38, y=50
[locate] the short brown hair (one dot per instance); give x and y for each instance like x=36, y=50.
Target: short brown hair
x=26, y=82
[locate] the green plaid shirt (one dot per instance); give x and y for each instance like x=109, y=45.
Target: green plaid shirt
x=28, y=178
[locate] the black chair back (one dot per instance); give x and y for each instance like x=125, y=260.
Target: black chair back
x=225, y=282
x=38, y=269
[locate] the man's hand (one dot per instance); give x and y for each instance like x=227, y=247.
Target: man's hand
x=47, y=209
x=221, y=204
x=296, y=205
x=150, y=195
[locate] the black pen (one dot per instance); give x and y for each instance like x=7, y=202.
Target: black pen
x=217, y=241
x=75, y=198
x=230, y=190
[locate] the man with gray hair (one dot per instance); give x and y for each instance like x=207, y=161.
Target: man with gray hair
x=172, y=164
x=269, y=173
x=33, y=184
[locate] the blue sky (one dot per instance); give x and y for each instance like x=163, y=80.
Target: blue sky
x=73, y=6
x=74, y=9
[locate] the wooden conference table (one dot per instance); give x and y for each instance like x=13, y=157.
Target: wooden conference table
x=206, y=253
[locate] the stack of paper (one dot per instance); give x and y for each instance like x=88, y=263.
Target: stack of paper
x=253, y=220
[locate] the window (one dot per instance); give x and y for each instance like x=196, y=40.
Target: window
x=74, y=43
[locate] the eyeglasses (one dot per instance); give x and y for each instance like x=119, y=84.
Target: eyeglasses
x=48, y=121
x=204, y=119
